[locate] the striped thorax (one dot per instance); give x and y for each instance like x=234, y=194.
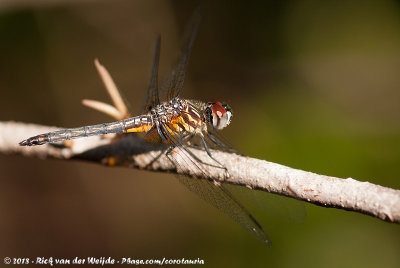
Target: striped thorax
x=179, y=116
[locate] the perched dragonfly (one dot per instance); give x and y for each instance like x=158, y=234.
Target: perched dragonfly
x=177, y=122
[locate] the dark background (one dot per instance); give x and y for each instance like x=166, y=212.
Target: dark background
x=314, y=85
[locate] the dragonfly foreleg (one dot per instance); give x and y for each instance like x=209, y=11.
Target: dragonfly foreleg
x=198, y=160
x=207, y=149
x=219, y=143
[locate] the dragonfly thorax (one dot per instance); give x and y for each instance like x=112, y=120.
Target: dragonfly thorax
x=167, y=111
x=180, y=116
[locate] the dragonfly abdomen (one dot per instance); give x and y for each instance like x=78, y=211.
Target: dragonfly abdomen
x=135, y=124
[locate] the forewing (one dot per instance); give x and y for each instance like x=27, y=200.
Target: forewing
x=173, y=82
x=153, y=98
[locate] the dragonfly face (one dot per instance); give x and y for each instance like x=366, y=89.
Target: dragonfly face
x=178, y=122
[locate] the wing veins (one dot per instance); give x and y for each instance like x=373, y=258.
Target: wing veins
x=217, y=196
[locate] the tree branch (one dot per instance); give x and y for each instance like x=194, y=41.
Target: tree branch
x=130, y=151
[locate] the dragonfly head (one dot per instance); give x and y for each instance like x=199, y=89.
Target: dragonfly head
x=218, y=115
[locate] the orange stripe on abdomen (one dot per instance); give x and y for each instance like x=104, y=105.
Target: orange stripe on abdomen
x=143, y=128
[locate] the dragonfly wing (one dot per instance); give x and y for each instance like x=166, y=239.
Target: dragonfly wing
x=213, y=193
x=153, y=98
x=173, y=82
x=222, y=199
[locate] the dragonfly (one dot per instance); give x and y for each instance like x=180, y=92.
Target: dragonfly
x=177, y=122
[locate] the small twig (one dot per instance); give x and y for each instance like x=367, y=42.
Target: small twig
x=112, y=90
x=130, y=151
x=103, y=107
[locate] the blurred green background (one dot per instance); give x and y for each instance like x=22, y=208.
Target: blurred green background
x=314, y=85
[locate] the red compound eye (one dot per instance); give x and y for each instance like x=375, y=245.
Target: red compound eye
x=217, y=108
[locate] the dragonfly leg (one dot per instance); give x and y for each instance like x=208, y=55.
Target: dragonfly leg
x=164, y=132
x=168, y=154
x=219, y=143
x=155, y=158
x=210, y=155
x=186, y=138
x=205, y=163
x=192, y=155
x=174, y=145
x=164, y=135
